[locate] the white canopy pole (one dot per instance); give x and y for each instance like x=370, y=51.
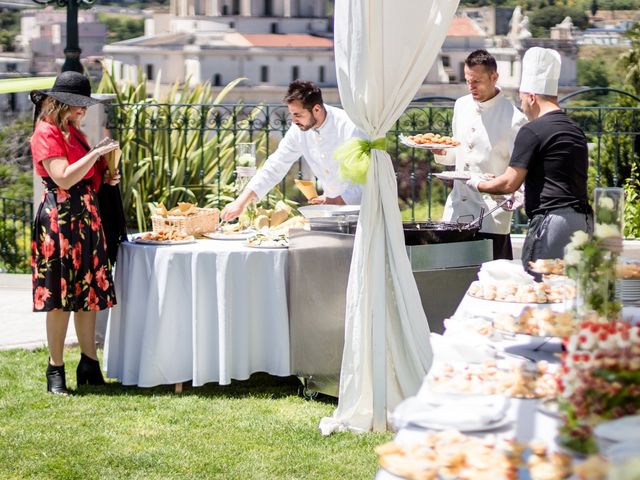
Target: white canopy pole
x=384, y=50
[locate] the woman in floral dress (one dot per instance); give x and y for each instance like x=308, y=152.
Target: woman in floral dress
x=71, y=271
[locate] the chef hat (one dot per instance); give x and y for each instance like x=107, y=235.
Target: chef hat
x=540, y=71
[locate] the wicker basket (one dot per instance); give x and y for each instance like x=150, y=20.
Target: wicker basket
x=206, y=220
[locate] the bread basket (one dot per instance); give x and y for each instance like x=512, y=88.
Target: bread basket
x=203, y=221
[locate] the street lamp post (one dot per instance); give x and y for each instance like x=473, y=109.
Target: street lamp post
x=72, y=50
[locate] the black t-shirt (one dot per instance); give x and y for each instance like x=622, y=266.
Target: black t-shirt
x=553, y=150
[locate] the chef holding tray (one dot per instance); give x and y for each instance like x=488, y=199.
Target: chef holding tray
x=316, y=131
x=485, y=123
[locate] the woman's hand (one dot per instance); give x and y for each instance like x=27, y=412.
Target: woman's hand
x=111, y=179
x=324, y=200
x=104, y=146
x=104, y=141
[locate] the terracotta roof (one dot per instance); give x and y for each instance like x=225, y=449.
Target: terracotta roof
x=291, y=40
x=615, y=15
x=463, y=26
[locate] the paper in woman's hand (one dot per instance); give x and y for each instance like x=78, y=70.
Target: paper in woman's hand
x=113, y=159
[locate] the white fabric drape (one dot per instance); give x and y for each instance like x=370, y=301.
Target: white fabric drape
x=383, y=50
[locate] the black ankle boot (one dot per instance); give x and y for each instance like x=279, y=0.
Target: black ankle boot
x=88, y=371
x=56, y=381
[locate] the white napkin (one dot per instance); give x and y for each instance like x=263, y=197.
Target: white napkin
x=620, y=430
x=461, y=412
x=468, y=347
x=498, y=271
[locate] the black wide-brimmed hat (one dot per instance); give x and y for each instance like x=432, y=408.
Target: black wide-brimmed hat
x=70, y=88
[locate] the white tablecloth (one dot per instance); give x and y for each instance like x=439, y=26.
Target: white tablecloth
x=460, y=344
x=208, y=311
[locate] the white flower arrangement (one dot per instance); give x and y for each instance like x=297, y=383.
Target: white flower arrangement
x=579, y=238
x=571, y=256
x=606, y=230
x=606, y=202
x=591, y=260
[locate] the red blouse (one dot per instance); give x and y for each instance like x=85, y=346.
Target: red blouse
x=48, y=141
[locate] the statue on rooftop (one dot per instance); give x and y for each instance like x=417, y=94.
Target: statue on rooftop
x=519, y=30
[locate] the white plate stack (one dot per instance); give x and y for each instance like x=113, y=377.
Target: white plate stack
x=628, y=291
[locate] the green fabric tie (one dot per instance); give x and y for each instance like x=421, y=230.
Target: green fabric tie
x=354, y=157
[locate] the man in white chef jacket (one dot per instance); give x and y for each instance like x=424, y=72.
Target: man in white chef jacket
x=315, y=133
x=551, y=158
x=486, y=124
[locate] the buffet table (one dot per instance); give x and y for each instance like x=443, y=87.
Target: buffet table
x=208, y=311
x=526, y=420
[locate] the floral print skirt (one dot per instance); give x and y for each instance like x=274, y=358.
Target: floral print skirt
x=69, y=264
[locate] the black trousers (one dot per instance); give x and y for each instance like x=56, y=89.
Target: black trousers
x=501, y=245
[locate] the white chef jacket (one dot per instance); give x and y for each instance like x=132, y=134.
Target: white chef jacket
x=486, y=132
x=316, y=145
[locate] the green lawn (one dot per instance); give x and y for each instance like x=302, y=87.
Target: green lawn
x=255, y=429
x=422, y=212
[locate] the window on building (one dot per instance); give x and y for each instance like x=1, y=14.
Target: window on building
x=274, y=27
x=217, y=80
x=446, y=61
x=512, y=67
x=225, y=10
x=321, y=74
x=268, y=8
x=264, y=73
x=12, y=67
x=295, y=73
x=235, y=8
x=149, y=69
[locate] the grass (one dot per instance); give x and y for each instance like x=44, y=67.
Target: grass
x=254, y=429
x=422, y=212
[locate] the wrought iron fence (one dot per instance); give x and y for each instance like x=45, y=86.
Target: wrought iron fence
x=195, y=144
x=187, y=153
x=15, y=234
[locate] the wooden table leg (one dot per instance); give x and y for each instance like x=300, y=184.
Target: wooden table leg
x=178, y=387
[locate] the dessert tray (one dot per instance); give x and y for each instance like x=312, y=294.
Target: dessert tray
x=230, y=235
x=536, y=322
x=164, y=238
x=495, y=377
x=428, y=141
x=453, y=175
x=531, y=293
x=266, y=240
x=450, y=454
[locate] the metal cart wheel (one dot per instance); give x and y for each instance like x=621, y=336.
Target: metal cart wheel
x=304, y=391
x=309, y=394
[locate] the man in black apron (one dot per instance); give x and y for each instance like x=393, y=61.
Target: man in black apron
x=550, y=156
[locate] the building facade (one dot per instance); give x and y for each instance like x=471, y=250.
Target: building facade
x=43, y=36
x=272, y=42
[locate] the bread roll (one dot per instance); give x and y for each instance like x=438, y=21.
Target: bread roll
x=283, y=207
x=277, y=217
x=261, y=221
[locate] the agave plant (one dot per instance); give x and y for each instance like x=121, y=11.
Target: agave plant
x=179, y=148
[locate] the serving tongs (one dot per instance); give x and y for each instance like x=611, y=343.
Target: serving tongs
x=221, y=224
x=477, y=222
